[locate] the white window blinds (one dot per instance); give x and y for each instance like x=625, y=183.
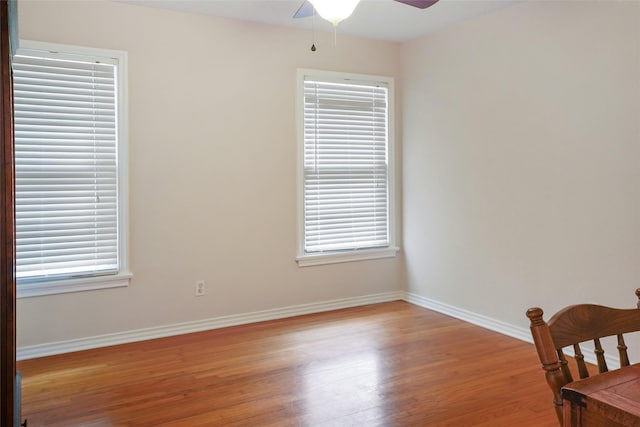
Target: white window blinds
x=66, y=166
x=345, y=190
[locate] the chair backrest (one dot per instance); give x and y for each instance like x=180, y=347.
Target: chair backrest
x=574, y=325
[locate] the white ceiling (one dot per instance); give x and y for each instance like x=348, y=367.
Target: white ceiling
x=376, y=19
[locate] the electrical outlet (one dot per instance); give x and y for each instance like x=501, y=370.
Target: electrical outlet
x=200, y=288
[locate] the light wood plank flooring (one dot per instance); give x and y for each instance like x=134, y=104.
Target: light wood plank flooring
x=391, y=364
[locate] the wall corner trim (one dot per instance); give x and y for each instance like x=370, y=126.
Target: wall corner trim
x=471, y=317
x=521, y=333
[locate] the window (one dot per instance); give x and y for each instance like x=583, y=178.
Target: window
x=346, y=206
x=70, y=151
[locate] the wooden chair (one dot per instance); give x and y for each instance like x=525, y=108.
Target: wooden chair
x=570, y=327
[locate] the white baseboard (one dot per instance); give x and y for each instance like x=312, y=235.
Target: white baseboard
x=60, y=347
x=49, y=349
x=471, y=317
x=495, y=325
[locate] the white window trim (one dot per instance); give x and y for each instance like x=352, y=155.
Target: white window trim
x=346, y=256
x=73, y=285
x=306, y=260
x=124, y=276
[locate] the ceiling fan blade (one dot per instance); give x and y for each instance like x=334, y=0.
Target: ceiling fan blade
x=305, y=10
x=421, y=4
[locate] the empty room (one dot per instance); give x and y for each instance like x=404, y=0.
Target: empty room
x=238, y=213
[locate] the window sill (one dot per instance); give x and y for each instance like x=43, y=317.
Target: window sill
x=73, y=285
x=338, y=257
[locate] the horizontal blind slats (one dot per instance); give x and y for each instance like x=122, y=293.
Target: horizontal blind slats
x=66, y=167
x=345, y=166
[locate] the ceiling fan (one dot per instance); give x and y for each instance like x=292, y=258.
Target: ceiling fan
x=345, y=8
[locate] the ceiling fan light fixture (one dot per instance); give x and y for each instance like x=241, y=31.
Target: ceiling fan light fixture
x=334, y=11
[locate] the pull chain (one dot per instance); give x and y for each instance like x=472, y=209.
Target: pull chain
x=313, y=31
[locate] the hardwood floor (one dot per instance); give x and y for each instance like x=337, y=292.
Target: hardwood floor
x=391, y=364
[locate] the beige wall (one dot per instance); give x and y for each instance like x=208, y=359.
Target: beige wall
x=212, y=168
x=521, y=159
x=521, y=146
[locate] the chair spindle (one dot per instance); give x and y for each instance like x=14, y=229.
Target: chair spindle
x=582, y=367
x=622, y=350
x=602, y=364
x=564, y=366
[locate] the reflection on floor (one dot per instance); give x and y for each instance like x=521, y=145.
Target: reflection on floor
x=391, y=364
